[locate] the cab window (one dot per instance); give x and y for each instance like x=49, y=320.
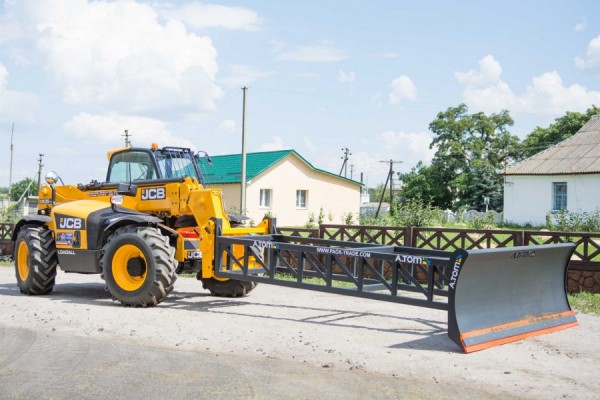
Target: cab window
x=131, y=166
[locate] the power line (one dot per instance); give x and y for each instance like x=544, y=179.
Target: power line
x=127, y=135
x=390, y=178
x=345, y=163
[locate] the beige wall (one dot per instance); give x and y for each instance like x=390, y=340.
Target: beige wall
x=335, y=196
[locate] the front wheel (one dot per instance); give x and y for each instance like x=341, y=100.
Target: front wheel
x=138, y=266
x=35, y=260
x=228, y=288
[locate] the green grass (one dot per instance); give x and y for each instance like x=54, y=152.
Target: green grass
x=588, y=303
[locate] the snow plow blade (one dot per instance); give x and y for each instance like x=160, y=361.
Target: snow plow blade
x=502, y=295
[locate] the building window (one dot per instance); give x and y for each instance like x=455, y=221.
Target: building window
x=559, y=194
x=301, y=196
x=265, y=198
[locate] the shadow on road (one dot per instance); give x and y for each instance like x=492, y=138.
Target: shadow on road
x=432, y=332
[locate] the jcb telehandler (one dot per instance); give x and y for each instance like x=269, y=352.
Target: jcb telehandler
x=150, y=219
x=153, y=218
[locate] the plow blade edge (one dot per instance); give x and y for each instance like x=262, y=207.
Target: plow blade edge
x=503, y=295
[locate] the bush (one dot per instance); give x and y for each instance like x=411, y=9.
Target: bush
x=486, y=221
x=311, y=223
x=415, y=212
x=569, y=221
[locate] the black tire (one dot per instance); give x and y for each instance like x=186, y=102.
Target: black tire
x=35, y=260
x=228, y=288
x=138, y=266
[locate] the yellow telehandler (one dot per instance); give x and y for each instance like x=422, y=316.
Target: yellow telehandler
x=153, y=218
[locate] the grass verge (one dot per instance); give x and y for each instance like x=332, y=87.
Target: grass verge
x=588, y=303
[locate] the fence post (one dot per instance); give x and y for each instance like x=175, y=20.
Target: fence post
x=408, y=236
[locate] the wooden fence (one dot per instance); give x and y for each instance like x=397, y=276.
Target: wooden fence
x=584, y=267
x=5, y=235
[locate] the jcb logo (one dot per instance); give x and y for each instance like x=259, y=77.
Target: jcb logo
x=153, y=194
x=70, y=223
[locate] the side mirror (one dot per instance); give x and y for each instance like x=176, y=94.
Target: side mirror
x=52, y=177
x=127, y=189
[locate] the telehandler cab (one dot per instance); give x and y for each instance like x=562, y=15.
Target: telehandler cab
x=153, y=218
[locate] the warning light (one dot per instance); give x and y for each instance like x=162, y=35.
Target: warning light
x=154, y=146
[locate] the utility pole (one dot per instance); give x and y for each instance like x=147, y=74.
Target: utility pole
x=11, y=162
x=345, y=163
x=351, y=170
x=40, y=165
x=126, y=135
x=243, y=178
x=390, y=178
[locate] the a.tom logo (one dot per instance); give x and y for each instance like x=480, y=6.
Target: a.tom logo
x=154, y=194
x=524, y=254
x=68, y=222
x=455, y=272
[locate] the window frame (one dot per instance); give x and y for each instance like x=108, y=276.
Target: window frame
x=560, y=198
x=299, y=199
x=269, y=199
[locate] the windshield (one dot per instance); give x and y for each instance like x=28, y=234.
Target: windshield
x=131, y=166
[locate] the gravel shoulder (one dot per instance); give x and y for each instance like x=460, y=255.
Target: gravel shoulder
x=276, y=341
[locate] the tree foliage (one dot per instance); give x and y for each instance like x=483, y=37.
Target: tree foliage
x=563, y=128
x=471, y=149
x=18, y=188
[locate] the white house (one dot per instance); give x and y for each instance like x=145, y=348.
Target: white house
x=284, y=185
x=565, y=176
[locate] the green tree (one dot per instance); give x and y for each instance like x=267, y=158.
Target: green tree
x=470, y=151
x=563, y=128
x=18, y=188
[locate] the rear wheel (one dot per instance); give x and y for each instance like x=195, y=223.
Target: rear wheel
x=35, y=260
x=228, y=288
x=138, y=266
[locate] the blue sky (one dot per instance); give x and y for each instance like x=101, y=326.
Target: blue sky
x=322, y=76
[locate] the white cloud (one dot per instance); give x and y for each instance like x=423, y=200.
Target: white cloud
x=276, y=143
x=346, y=77
x=109, y=128
x=546, y=95
x=323, y=52
x=581, y=25
x=408, y=147
x=591, y=60
x=228, y=126
x=15, y=105
x=489, y=72
x=403, y=88
x=198, y=15
x=117, y=55
x=243, y=75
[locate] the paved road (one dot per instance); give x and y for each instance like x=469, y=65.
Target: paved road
x=277, y=343
x=35, y=365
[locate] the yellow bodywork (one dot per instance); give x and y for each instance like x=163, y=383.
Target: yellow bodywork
x=181, y=198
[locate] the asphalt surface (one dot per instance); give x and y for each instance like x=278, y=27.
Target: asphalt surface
x=277, y=343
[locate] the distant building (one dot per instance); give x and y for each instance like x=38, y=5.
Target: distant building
x=283, y=184
x=565, y=176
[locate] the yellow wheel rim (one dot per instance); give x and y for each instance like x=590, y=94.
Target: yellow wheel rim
x=120, y=269
x=23, y=261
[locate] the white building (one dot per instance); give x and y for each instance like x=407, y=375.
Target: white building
x=565, y=176
x=283, y=185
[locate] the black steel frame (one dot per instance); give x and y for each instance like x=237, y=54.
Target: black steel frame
x=396, y=274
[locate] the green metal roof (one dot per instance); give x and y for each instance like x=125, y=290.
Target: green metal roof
x=228, y=168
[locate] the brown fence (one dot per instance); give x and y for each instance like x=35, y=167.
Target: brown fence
x=5, y=235
x=584, y=267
